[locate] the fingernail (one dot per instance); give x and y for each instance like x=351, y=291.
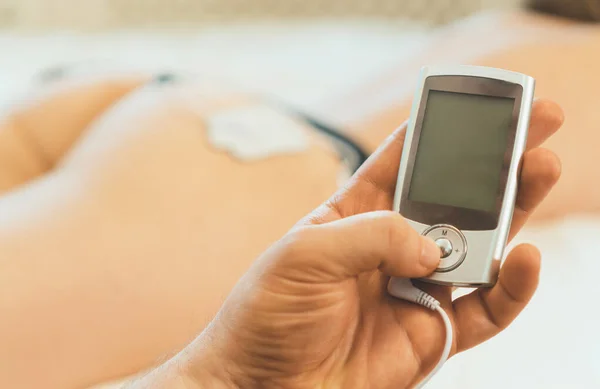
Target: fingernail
x=431, y=255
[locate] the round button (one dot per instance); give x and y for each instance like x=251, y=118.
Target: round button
x=445, y=247
x=452, y=244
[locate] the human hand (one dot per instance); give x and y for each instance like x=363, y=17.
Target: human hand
x=313, y=310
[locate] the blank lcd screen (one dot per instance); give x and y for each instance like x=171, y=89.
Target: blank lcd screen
x=461, y=150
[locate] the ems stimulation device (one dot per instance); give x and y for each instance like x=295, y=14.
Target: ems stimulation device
x=460, y=166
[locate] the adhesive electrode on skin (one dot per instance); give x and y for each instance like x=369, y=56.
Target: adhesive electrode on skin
x=255, y=132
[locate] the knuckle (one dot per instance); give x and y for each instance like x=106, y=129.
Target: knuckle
x=553, y=164
x=394, y=228
x=300, y=254
x=545, y=169
x=296, y=242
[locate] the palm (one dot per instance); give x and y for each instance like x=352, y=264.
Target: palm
x=403, y=326
x=376, y=328
x=345, y=333
x=385, y=329
x=396, y=326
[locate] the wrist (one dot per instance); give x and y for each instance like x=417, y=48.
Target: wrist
x=177, y=375
x=207, y=378
x=203, y=366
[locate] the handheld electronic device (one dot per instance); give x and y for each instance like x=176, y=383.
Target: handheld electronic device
x=458, y=176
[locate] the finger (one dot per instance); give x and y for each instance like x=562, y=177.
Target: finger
x=34, y=134
x=367, y=242
x=486, y=312
x=373, y=183
x=546, y=118
x=541, y=171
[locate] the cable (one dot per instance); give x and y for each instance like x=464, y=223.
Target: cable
x=445, y=352
x=353, y=154
x=403, y=289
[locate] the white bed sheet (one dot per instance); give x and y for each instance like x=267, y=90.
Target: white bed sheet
x=298, y=62
x=555, y=344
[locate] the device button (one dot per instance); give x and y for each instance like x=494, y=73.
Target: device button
x=445, y=247
x=452, y=244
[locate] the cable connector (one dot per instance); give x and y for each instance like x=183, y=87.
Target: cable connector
x=404, y=289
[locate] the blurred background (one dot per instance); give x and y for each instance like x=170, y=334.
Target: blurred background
x=103, y=14
x=304, y=52
x=297, y=49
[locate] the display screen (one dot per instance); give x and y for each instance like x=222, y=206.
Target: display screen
x=461, y=150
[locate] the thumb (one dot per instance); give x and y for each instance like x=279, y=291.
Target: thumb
x=366, y=242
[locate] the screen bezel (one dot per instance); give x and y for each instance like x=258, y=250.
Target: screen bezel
x=461, y=218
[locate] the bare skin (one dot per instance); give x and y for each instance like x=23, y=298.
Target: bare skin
x=37, y=132
x=134, y=198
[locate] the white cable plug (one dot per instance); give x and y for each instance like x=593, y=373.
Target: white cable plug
x=403, y=288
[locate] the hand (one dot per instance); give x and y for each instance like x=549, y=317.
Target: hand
x=313, y=311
